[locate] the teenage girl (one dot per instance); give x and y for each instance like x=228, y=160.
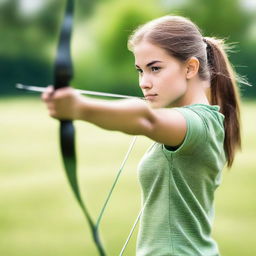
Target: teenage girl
x=191, y=112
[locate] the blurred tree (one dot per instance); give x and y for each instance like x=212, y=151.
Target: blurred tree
x=29, y=41
x=100, y=36
x=216, y=17
x=112, y=65
x=224, y=19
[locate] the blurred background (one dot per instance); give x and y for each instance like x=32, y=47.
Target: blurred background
x=38, y=214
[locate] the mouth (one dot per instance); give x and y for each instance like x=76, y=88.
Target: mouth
x=150, y=97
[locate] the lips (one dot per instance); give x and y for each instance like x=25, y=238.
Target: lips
x=150, y=96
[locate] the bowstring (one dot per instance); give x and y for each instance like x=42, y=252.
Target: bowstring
x=138, y=218
x=132, y=143
x=132, y=229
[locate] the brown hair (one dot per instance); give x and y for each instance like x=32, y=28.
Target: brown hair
x=182, y=39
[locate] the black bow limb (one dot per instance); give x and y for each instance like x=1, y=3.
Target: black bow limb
x=63, y=73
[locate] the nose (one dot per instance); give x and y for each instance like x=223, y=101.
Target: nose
x=145, y=82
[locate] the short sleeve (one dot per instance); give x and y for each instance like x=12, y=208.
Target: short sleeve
x=196, y=131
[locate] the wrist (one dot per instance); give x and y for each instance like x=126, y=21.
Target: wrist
x=81, y=109
x=84, y=108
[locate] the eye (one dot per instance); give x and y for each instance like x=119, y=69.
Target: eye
x=155, y=69
x=139, y=70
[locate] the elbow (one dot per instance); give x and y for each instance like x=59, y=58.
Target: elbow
x=147, y=123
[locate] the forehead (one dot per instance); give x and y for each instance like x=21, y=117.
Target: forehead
x=144, y=52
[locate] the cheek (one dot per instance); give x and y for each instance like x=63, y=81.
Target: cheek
x=175, y=80
x=175, y=86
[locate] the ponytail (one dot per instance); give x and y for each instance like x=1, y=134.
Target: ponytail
x=224, y=93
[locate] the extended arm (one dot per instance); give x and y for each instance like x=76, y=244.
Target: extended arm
x=131, y=116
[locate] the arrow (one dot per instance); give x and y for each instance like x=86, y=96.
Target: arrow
x=85, y=92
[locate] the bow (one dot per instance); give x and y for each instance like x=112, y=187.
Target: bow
x=63, y=73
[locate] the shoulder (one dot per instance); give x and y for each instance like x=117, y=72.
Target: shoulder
x=203, y=123
x=174, y=126
x=168, y=126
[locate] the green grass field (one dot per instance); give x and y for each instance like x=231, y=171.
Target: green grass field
x=38, y=213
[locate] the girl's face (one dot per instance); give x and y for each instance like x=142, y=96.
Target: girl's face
x=162, y=78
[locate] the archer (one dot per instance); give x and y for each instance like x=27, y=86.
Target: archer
x=191, y=112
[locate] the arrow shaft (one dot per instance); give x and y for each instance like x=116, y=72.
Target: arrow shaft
x=85, y=92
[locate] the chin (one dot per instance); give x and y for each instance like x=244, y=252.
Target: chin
x=156, y=105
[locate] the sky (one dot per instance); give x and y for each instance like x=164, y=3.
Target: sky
x=31, y=7
x=249, y=4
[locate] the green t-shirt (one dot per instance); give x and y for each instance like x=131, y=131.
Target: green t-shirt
x=178, y=188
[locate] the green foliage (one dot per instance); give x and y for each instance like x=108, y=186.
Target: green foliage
x=112, y=65
x=102, y=61
x=214, y=17
x=39, y=215
x=226, y=19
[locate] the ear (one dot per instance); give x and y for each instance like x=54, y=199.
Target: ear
x=192, y=67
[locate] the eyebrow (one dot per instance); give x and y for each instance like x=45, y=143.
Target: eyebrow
x=150, y=63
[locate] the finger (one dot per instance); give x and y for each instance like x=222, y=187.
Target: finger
x=53, y=114
x=63, y=92
x=47, y=94
x=52, y=110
